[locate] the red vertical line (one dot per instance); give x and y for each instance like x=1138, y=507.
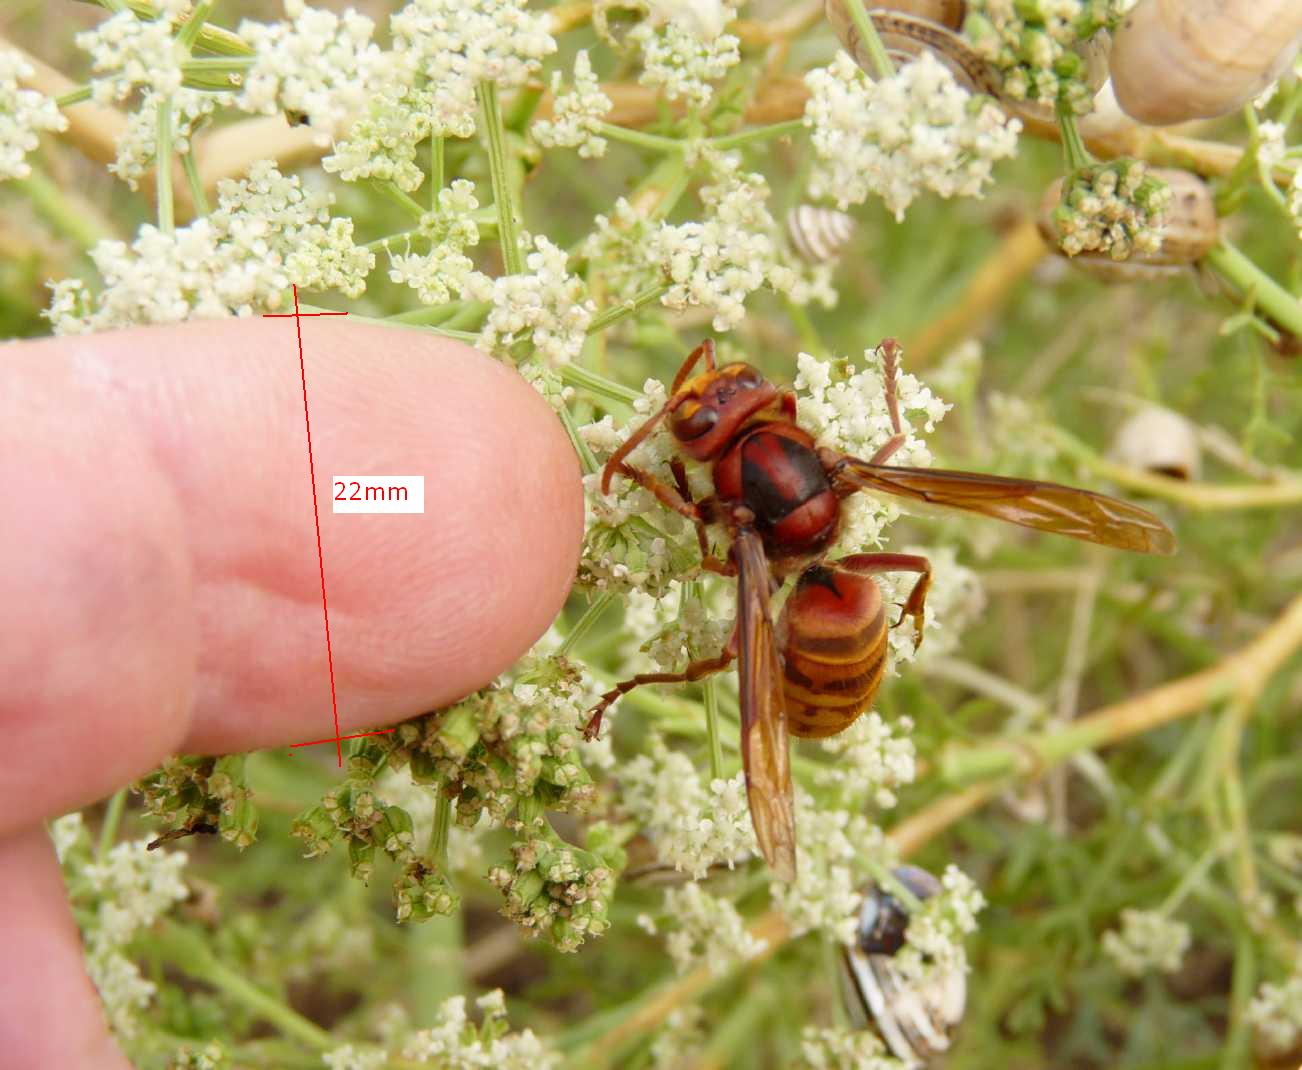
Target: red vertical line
x=316, y=516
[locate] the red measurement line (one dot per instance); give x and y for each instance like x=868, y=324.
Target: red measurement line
x=297, y=315
x=336, y=739
x=316, y=515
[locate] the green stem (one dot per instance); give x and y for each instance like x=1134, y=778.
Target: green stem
x=586, y=457
x=581, y=626
x=195, y=183
x=51, y=202
x=188, y=950
x=436, y=169
x=627, y=308
x=1268, y=295
x=108, y=831
x=198, y=17
x=73, y=96
x=438, y=837
x=585, y=379
x=1073, y=145
x=758, y=133
x=404, y=200
x=890, y=883
x=163, y=167
x=508, y=220
x=640, y=138
x=210, y=38
x=709, y=690
x=1192, y=879
x=871, y=42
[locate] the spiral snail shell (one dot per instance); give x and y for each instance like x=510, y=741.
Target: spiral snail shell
x=1158, y=440
x=910, y=27
x=1189, y=231
x=818, y=234
x=1174, y=60
x=917, y=1023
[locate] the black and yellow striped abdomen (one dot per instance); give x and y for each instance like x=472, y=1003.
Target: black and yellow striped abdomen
x=834, y=650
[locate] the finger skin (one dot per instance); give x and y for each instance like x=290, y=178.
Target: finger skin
x=159, y=582
x=49, y=1013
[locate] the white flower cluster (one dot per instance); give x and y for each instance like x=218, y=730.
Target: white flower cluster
x=546, y=305
x=718, y=262
x=456, y=1044
x=327, y=943
x=693, y=825
x=319, y=64
x=672, y=629
x=126, y=893
x=870, y=762
x=382, y=142
x=846, y=410
x=623, y=550
x=832, y=848
x=577, y=115
x=954, y=600
x=127, y=51
x=681, y=1037
x=845, y=1049
x=212, y=1056
x=705, y=928
x=445, y=270
x=684, y=48
x=1115, y=208
x=1032, y=45
x=266, y=233
x=1148, y=940
x=933, y=942
x=1276, y=1015
x=919, y=130
x=457, y=44
x=138, y=145
x=351, y=1057
x=22, y=113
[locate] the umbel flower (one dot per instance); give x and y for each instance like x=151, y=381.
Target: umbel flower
x=684, y=48
x=318, y=64
x=1031, y=44
x=138, y=146
x=127, y=51
x=917, y=130
x=576, y=115
x=1114, y=208
x=266, y=233
x=1148, y=940
x=22, y=113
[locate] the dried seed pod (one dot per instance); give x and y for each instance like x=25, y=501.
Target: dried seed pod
x=1188, y=232
x=1155, y=439
x=910, y=27
x=917, y=1023
x=1174, y=60
x=819, y=234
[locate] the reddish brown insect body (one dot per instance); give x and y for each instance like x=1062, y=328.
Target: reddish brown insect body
x=778, y=496
x=833, y=636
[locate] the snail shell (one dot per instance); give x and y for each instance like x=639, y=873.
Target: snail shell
x=1155, y=439
x=1174, y=60
x=917, y=1023
x=819, y=234
x=910, y=27
x=1188, y=233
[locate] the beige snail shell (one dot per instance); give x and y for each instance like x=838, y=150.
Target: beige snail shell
x=1188, y=232
x=916, y=1022
x=1174, y=60
x=818, y=234
x=1158, y=440
x=910, y=27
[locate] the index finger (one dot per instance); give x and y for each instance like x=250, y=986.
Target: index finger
x=160, y=575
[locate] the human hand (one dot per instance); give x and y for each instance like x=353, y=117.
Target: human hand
x=160, y=589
